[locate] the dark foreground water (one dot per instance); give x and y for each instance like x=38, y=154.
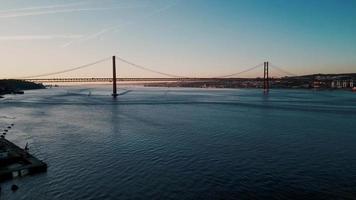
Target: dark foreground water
x=185, y=144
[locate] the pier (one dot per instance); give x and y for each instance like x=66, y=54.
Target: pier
x=17, y=162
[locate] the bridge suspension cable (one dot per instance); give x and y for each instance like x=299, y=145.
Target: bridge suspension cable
x=282, y=70
x=147, y=68
x=177, y=76
x=151, y=70
x=67, y=70
x=241, y=72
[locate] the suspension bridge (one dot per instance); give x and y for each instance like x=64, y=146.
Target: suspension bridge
x=50, y=77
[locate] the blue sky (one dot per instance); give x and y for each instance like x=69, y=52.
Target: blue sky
x=184, y=37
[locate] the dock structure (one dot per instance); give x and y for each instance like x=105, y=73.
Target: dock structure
x=17, y=162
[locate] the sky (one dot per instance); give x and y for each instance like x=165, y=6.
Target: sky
x=192, y=38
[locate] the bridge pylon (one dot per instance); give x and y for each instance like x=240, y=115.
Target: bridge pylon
x=114, y=84
x=266, y=84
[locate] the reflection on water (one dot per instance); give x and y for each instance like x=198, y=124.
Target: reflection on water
x=154, y=143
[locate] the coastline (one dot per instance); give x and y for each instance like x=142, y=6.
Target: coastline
x=11, y=86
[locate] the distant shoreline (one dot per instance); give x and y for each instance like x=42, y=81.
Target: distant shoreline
x=11, y=86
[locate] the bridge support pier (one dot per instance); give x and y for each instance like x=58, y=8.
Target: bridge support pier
x=266, y=83
x=114, y=84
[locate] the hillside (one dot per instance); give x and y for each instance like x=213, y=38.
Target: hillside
x=8, y=86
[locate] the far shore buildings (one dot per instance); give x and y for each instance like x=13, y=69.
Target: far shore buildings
x=343, y=82
x=334, y=82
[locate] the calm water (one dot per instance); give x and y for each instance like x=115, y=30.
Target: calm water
x=185, y=144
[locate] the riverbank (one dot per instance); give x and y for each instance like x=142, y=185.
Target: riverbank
x=11, y=86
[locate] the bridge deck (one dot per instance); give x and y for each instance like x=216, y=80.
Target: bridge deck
x=63, y=80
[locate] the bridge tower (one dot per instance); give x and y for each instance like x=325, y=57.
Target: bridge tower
x=266, y=83
x=114, y=85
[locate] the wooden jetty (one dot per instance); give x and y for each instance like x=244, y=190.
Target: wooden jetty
x=17, y=162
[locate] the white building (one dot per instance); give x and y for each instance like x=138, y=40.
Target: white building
x=342, y=83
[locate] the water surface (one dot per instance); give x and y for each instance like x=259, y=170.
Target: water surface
x=159, y=143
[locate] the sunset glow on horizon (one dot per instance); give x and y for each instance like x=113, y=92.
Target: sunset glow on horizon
x=193, y=38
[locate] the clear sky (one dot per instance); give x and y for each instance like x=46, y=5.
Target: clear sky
x=196, y=38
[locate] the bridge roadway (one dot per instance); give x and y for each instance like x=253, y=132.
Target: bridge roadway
x=90, y=80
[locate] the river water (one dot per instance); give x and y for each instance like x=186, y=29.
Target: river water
x=170, y=143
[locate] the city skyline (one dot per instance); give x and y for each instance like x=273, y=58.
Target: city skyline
x=188, y=38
